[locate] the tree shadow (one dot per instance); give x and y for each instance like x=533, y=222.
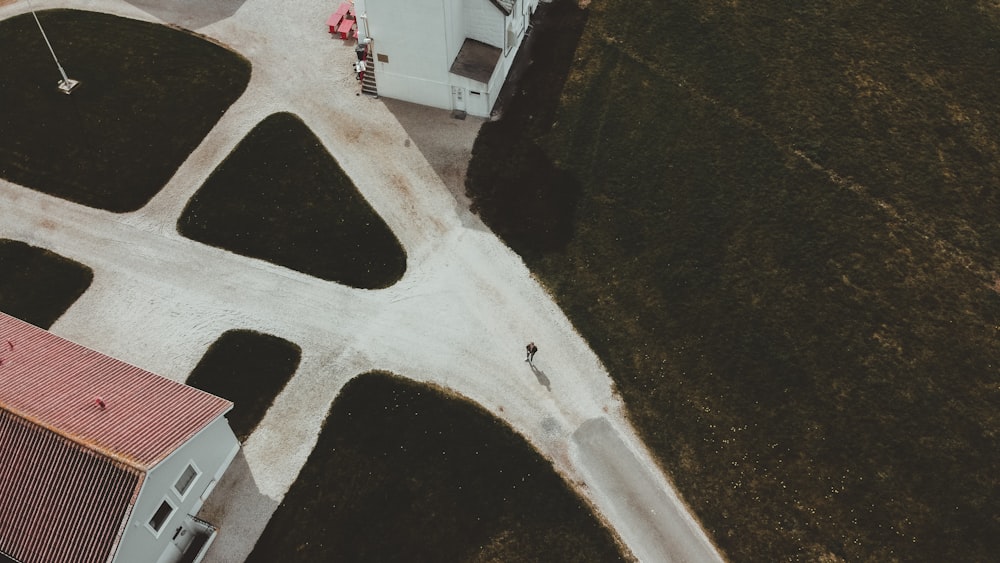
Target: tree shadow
x=542, y=378
x=189, y=15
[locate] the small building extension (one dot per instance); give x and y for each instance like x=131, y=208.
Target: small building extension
x=101, y=461
x=448, y=54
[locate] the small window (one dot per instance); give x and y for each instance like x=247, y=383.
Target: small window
x=186, y=479
x=161, y=516
x=474, y=93
x=383, y=58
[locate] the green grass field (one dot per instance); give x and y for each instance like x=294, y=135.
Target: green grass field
x=249, y=368
x=38, y=285
x=149, y=94
x=280, y=196
x=407, y=472
x=784, y=248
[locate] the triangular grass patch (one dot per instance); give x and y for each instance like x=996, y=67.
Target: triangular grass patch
x=249, y=368
x=148, y=95
x=280, y=197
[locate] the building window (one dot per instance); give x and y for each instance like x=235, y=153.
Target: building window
x=187, y=478
x=161, y=516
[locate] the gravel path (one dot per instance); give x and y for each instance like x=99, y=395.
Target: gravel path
x=460, y=317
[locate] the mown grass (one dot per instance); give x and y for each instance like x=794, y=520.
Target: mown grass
x=148, y=96
x=249, y=368
x=785, y=251
x=406, y=472
x=38, y=285
x=281, y=197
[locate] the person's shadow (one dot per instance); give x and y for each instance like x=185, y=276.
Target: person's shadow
x=542, y=378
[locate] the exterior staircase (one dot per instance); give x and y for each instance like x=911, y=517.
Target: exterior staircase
x=368, y=85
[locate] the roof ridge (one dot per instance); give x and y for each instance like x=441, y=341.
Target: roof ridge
x=108, y=405
x=85, y=444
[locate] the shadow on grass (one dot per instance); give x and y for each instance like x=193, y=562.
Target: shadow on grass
x=280, y=196
x=406, y=472
x=524, y=196
x=149, y=94
x=38, y=285
x=248, y=368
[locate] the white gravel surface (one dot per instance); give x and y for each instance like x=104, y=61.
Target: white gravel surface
x=460, y=317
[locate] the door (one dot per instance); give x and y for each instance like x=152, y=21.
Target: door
x=458, y=98
x=180, y=539
x=183, y=536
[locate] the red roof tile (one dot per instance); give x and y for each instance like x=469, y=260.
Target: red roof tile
x=59, y=502
x=56, y=384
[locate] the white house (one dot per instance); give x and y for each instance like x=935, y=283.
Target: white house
x=449, y=54
x=101, y=461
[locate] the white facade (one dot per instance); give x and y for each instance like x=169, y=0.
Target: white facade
x=415, y=44
x=181, y=482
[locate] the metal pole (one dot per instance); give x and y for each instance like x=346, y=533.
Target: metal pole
x=66, y=84
x=364, y=18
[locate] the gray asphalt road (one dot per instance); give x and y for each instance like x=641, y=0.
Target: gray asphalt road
x=657, y=521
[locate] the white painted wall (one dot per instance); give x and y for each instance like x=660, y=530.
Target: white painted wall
x=421, y=38
x=211, y=450
x=483, y=22
x=412, y=35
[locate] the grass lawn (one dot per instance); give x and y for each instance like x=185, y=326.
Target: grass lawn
x=37, y=285
x=405, y=472
x=281, y=197
x=148, y=95
x=785, y=249
x=248, y=368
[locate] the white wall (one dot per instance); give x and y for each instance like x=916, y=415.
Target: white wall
x=411, y=33
x=483, y=22
x=421, y=38
x=211, y=450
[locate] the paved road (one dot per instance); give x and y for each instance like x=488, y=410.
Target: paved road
x=654, y=520
x=459, y=317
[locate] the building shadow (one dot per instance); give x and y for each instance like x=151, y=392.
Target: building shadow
x=542, y=378
x=445, y=142
x=236, y=504
x=189, y=15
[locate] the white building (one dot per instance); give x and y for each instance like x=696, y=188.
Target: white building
x=449, y=54
x=101, y=461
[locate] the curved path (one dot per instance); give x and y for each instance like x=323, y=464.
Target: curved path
x=459, y=317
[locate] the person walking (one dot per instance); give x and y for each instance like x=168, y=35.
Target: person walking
x=531, y=348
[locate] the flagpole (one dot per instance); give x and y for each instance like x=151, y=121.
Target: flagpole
x=67, y=84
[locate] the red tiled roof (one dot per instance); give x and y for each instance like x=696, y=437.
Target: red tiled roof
x=71, y=465
x=56, y=384
x=59, y=502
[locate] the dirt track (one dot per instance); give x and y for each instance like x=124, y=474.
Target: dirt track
x=460, y=317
